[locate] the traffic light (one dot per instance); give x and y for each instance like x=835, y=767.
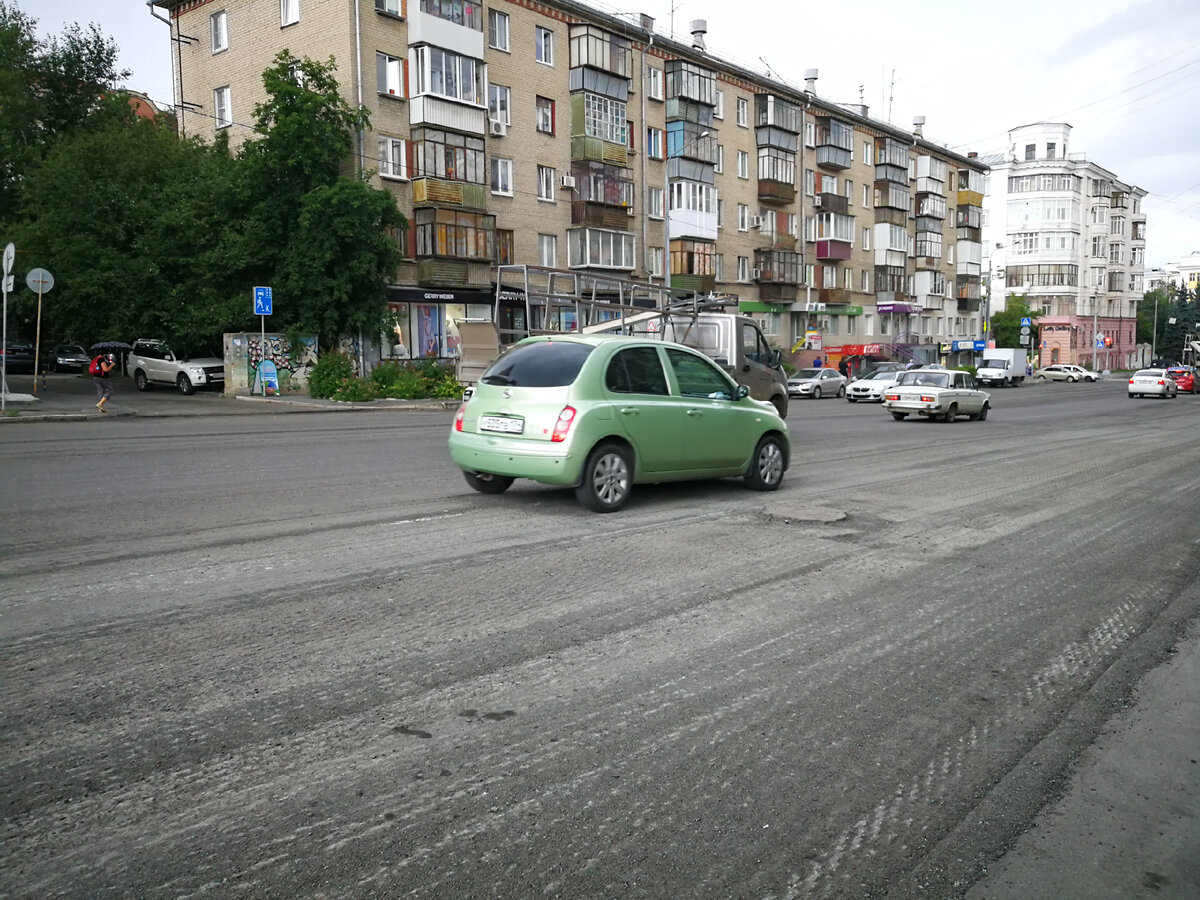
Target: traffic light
x=1107, y=341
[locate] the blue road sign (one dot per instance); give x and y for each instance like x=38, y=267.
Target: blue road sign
x=262, y=301
x=1026, y=322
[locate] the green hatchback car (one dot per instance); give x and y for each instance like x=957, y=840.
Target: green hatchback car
x=602, y=413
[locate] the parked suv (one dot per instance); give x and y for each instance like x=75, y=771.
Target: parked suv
x=154, y=362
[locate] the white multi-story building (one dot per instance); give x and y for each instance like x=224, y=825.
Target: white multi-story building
x=1070, y=236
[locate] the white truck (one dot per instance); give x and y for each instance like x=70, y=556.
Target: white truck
x=554, y=301
x=1002, y=367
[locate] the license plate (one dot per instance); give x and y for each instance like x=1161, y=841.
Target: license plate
x=503, y=424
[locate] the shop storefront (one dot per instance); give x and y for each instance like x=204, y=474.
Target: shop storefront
x=423, y=320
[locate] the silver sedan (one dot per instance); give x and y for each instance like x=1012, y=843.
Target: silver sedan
x=1152, y=383
x=817, y=383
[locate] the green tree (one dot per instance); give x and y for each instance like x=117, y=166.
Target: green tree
x=1151, y=315
x=1006, y=325
x=316, y=235
x=48, y=89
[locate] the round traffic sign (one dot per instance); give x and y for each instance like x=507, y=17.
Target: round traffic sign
x=40, y=281
x=10, y=253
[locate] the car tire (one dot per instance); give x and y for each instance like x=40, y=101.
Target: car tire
x=780, y=406
x=766, y=466
x=607, y=478
x=1041, y=379
x=951, y=414
x=141, y=381
x=816, y=393
x=983, y=413
x=1070, y=379
x=185, y=384
x=487, y=483
x=899, y=417
x=842, y=391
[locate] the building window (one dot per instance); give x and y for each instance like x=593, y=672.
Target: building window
x=223, y=107
x=743, y=164
x=629, y=134
x=545, y=115
x=505, y=247
x=743, y=268
x=810, y=134
x=654, y=78
x=654, y=143
x=289, y=12
x=719, y=266
x=719, y=109
x=461, y=12
x=742, y=112
x=448, y=155
x=743, y=217
x=656, y=261
x=866, y=237
x=220, y=32
x=1030, y=151
x=544, y=46
x=545, y=183
x=654, y=203
x=498, y=30
x=1051, y=149
x=866, y=196
x=810, y=182
x=868, y=156
x=389, y=75
x=598, y=248
x=776, y=165
x=391, y=7
x=454, y=233
x=720, y=213
x=604, y=118
x=502, y=170
x=499, y=103
x=393, y=158
x=450, y=75
x=547, y=250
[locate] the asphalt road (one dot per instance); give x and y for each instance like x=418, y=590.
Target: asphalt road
x=295, y=656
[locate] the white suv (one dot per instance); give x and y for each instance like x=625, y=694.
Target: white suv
x=154, y=362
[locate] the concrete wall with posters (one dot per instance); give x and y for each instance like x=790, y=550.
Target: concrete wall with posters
x=245, y=375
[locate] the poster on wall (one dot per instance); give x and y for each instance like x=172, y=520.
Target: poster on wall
x=429, y=330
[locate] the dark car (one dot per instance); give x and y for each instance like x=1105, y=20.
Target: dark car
x=18, y=356
x=66, y=358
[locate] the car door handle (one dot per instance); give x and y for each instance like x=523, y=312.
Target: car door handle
x=695, y=412
x=629, y=410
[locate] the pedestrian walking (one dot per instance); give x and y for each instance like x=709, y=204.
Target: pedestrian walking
x=100, y=368
x=843, y=367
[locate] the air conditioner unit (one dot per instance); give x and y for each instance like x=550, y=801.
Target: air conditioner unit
x=756, y=221
x=497, y=128
x=567, y=183
x=816, y=202
x=629, y=211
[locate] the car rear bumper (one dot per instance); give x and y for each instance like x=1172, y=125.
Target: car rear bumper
x=914, y=407
x=542, y=461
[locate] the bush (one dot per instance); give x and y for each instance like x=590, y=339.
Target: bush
x=330, y=373
x=333, y=378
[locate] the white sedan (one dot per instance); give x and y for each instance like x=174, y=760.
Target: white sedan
x=1152, y=383
x=941, y=395
x=871, y=388
x=817, y=383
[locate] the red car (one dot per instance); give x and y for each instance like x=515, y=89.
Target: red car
x=1184, y=377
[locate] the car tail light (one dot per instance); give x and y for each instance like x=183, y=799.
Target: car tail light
x=893, y=396
x=1161, y=381
x=563, y=425
x=1131, y=381
x=458, y=417
x=927, y=398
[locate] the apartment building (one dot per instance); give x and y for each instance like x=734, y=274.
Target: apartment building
x=553, y=134
x=1071, y=236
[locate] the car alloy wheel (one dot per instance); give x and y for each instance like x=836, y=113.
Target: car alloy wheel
x=1041, y=379
x=140, y=379
x=607, y=479
x=816, y=393
x=184, y=384
x=487, y=483
x=842, y=391
x=766, y=468
x=1070, y=379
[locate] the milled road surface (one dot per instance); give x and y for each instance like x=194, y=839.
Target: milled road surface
x=297, y=657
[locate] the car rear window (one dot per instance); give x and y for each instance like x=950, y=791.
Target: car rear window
x=542, y=364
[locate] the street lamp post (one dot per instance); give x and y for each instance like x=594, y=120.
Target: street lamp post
x=984, y=323
x=1095, y=338
x=667, y=202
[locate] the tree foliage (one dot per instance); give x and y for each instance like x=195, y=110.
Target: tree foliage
x=1006, y=325
x=49, y=88
x=148, y=235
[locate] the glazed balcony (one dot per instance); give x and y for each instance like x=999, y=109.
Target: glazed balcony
x=831, y=203
x=691, y=82
x=892, y=196
x=778, y=266
x=891, y=174
x=593, y=148
x=597, y=216
x=835, y=143
x=835, y=296
x=775, y=111
x=443, y=192
x=594, y=47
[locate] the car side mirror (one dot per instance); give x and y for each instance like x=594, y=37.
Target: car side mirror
x=775, y=360
x=742, y=392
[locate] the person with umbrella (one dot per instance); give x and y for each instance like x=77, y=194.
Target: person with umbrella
x=101, y=366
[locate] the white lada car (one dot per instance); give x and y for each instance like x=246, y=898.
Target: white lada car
x=939, y=394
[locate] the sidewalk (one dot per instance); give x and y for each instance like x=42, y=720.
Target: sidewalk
x=1128, y=825
x=64, y=397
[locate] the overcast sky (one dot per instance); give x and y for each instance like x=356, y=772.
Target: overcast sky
x=1124, y=73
